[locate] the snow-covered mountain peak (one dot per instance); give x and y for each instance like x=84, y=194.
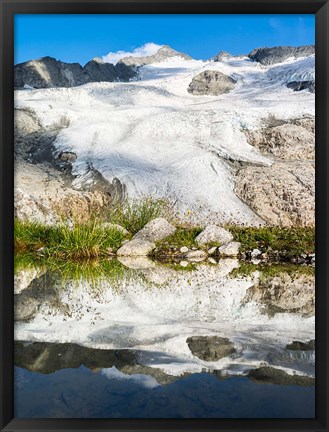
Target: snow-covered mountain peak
x=163, y=53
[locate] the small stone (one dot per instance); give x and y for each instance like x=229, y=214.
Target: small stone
x=183, y=249
x=230, y=249
x=183, y=263
x=212, y=250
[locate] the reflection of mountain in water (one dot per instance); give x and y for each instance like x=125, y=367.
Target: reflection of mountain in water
x=156, y=311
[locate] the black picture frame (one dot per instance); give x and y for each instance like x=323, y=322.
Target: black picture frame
x=8, y=9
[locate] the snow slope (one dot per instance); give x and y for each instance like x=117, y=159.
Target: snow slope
x=160, y=140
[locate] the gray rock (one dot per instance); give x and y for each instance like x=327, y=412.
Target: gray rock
x=211, y=83
x=184, y=263
x=230, y=249
x=183, y=249
x=302, y=346
x=155, y=230
x=210, y=348
x=136, y=247
x=281, y=194
x=302, y=85
x=268, y=56
x=214, y=233
x=287, y=141
x=163, y=53
x=220, y=56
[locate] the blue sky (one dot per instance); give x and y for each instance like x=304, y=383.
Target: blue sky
x=79, y=38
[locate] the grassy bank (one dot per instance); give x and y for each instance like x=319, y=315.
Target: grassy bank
x=96, y=241
x=78, y=242
x=292, y=241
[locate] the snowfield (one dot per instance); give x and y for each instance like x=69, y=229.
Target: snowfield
x=162, y=141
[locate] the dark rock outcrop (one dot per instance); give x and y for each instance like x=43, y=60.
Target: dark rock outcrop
x=210, y=348
x=302, y=85
x=163, y=53
x=48, y=72
x=302, y=346
x=211, y=83
x=268, y=56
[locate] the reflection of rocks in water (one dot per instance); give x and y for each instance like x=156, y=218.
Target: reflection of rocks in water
x=210, y=348
x=269, y=375
x=302, y=346
x=23, y=278
x=284, y=293
x=43, y=291
x=47, y=358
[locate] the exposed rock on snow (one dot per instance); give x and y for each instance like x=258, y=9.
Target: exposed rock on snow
x=210, y=348
x=302, y=346
x=49, y=199
x=211, y=83
x=164, y=53
x=268, y=56
x=155, y=230
x=221, y=55
x=214, y=233
x=287, y=141
x=281, y=194
x=136, y=247
x=302, y=85
x=230, y=249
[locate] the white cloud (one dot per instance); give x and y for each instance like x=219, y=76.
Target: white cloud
x=147, y=49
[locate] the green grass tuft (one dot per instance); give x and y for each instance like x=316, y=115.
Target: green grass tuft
x=81, y=241
x=134, y=215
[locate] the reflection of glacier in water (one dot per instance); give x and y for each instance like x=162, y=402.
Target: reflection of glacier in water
x=136, y=332
x=156, y=309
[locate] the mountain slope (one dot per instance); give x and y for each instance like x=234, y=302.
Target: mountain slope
x=158, y=139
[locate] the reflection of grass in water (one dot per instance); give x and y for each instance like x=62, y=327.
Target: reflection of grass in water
x=271, y=270
x=88, y=270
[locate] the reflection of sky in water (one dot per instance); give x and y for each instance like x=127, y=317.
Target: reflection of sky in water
x=81, y=393
x=143, y=380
